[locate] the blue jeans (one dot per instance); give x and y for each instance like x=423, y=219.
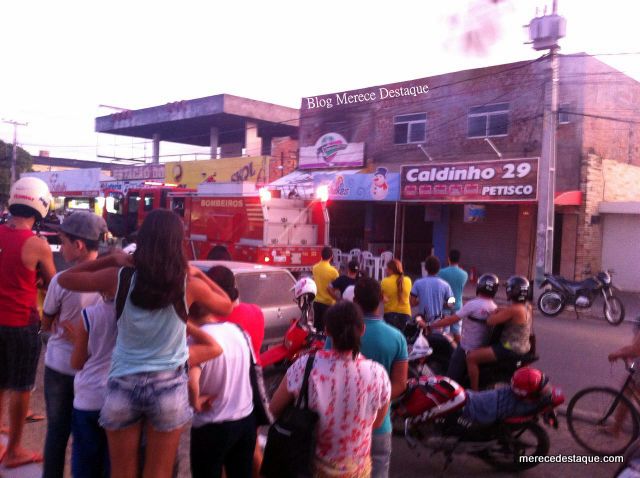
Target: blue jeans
x=90, y=452
x=380, y=455
x=58, y=396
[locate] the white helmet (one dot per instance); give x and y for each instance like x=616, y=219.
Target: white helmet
x=306, y=285
x=33, y=193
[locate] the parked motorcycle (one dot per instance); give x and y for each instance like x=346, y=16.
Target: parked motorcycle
x=561, y=292
x=435, y=421
x=301, y=338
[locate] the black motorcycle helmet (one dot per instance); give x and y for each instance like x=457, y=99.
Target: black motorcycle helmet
x=604, y=278
x=488, y=285
x=518, y=289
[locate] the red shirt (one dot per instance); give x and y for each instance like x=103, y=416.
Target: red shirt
x=251, y=319
x=18, y=291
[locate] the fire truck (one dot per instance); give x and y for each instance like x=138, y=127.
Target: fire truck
x=256, y=226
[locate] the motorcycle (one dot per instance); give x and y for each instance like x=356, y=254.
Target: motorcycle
x=301, y=338
x=561, y=292
x=440, y=427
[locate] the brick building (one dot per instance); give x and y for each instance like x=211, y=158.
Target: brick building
x=441, y=122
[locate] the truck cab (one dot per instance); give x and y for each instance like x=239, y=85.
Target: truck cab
x=124, y=212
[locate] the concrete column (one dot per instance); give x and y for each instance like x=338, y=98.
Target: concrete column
x=252, y=142
x=213, y=143
x=156, y=149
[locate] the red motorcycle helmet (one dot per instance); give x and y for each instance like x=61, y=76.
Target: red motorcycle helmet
x=528, y=382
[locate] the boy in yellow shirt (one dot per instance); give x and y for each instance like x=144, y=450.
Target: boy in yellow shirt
x=323, y=275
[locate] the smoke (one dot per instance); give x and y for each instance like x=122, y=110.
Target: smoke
x=477, y=29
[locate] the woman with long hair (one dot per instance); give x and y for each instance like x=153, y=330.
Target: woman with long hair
x=349, y=392
x=148, y=378
x=395, y=290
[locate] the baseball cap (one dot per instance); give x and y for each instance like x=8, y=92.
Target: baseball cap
x=85, y=225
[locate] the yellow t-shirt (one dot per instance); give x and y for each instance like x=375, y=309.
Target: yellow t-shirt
x=390, y=291
x=323, y=275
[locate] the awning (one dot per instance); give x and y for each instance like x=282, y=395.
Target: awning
x=302, y=182
x=568, y=198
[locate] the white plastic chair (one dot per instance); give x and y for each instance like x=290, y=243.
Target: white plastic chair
x=367, y=262
x=337, y=257
x=385, y=257
x=355, y=254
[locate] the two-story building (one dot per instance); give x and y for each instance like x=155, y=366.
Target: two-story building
x=451, y=161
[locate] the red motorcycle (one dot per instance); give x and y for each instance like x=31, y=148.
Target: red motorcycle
x=301, y=337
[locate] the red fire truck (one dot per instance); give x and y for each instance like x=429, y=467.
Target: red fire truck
x=254, y=226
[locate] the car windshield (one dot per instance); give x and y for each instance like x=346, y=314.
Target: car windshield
x=265, y=289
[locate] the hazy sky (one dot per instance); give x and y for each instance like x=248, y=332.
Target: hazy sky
x=63, y=59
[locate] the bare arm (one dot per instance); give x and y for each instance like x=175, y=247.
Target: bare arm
x=627, y=352
x=333, y=292
x=204, y=347
x=380, y=416
x=398, y=378
x=37, y=255
x=80, y=338
x=100, y=275
x=450, y=319
x=203, y=290
x=500, y=316
x=281, y=399
x=413, y=300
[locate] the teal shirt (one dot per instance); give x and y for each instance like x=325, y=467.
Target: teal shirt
x=384, y=344
x=456, y=278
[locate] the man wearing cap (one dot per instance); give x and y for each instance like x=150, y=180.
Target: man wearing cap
x=80, y=234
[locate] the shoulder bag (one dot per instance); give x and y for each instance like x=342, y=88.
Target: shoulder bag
x=291, y=440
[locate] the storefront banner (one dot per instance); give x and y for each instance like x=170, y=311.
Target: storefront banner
x=481, y=181
x=148, y=171
x=73, y=182
x=380, y=186
x=191, y=173
x=331, y=151
x=122, y=186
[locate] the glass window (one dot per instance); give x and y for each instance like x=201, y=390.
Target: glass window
x=148, y=203
x=265, y=289
x=488, y=120
x=563, y=115
x=134, y=202
x=410, y=128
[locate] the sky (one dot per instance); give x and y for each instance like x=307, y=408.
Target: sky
x=62, y=60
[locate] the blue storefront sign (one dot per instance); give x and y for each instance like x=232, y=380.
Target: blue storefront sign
x=379, y=186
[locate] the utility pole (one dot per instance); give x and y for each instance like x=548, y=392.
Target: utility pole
x=14, y=155
x=545, y=32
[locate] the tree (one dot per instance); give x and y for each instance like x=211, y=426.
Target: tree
x=23, y=164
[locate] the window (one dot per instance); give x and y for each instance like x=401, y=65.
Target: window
x=134, y=202
x=148, y=203
x=265, y=289
x=563, y=115
x=410, y=128
x=488, y=120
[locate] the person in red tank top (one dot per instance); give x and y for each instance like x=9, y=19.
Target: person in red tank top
x=24, y=260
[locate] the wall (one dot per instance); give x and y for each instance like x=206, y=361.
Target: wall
x=284, y=157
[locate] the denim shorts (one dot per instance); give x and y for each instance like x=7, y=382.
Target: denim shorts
x=159, y=397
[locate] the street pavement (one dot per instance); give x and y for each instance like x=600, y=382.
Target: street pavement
x=573, y=353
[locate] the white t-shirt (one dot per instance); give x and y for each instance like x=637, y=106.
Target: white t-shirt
x=69, y=305
x=348, y=293
x=226, y=377
x=475, y=333
x=90, y=383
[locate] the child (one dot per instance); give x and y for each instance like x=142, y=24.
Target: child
x=80, y=234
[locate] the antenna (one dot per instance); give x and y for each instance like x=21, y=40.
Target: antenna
x=493, y=146
x=425, y=152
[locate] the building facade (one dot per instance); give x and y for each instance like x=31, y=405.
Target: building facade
x=442, y=121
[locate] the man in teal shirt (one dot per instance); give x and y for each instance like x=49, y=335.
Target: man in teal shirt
x=387, y=346
x=456, y=277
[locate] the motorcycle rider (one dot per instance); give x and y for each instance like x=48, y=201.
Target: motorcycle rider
x=514, y=341
x=25, y=259
x=475, y=332
x=431, y=292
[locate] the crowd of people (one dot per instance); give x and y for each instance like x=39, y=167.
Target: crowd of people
x=140, y=346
